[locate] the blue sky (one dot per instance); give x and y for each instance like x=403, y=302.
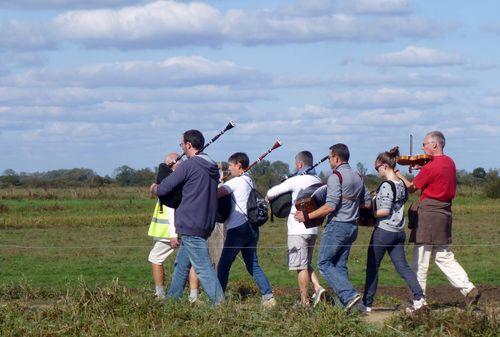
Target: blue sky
x=105, y=83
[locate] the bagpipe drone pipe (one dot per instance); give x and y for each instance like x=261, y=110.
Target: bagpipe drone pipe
x=224, y=203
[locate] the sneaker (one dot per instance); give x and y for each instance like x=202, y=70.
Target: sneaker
x=269, y=303
x=300, y=305
x=364, y=309
x=417, y=305
x=352, y=302
x=160, y=296
x=192, y=299
x=472, y=297
x=318, y=296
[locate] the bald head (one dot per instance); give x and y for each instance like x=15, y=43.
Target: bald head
x=171, y=157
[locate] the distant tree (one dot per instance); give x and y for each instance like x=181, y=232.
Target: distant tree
x=279, y=168
x=361, y=168
x=144, y=177
x=124, y=175
x=9, y=172
x=479, y=173
x=492, y=174
x=261, y=168
x=9, y=178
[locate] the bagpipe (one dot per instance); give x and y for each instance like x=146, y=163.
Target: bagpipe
x=174, y=198
x=282, y=204
x=224, y=203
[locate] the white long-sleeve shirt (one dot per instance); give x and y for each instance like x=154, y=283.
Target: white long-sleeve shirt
x=295, y=185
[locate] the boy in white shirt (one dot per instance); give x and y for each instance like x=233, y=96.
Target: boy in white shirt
x=241, y=235
x=301, y=240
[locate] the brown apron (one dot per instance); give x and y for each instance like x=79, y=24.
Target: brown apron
x=430, y=222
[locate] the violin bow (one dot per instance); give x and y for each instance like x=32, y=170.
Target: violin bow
x=411, y=151
x=228, y=127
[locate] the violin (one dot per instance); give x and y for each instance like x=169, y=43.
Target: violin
x=415, y=160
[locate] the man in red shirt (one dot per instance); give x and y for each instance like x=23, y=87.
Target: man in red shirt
x=437, y=183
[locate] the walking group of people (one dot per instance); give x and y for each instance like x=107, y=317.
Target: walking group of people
x=194, y=218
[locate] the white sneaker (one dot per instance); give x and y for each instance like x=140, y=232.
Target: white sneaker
x=192, y=299
x=364, y=309
x=352, y=302
x=318, y=296
x=269, y=303
x=417, y=305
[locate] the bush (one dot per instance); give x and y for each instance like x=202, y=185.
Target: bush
x=492, y=189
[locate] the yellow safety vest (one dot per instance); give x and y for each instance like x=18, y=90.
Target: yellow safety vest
x=160, y=225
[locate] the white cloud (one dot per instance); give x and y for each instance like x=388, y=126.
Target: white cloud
x=491, y=101
x=381, y=6
x=164, y=24
x=172, y=72
x=320, y=7
x=388, y=98
x=159, y=23
x=64, y=4
x=28, y=59
x=492, y=28
x=413, y=56
x=17, y=35
x=407, y=80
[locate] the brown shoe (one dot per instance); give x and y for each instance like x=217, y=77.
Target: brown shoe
x=472, y=297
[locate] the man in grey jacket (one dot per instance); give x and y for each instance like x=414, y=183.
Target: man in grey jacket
x=198, y=177
x=346, y=192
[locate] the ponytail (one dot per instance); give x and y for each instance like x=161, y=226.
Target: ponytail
x=389, y=157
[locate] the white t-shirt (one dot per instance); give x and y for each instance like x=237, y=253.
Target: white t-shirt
x=295, y=185
x=240, y=187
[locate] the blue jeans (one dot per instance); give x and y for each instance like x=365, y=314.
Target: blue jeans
x=334, y=249
x=243, y=238
x=392, y=242
x=194, y=251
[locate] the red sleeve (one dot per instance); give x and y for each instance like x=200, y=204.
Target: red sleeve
x=422, y=179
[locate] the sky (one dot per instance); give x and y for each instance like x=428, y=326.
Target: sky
x=105, y=83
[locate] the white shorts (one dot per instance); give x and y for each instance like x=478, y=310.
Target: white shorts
x=160, y=251
x=300, y=251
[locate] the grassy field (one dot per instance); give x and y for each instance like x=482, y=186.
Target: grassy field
x=85, y=251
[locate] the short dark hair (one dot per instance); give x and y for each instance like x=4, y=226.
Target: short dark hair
x=240, y=158
x=341, y=151
x=304, y=156
x=194, y=137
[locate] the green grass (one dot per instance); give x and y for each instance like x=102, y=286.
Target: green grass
x=74, y=262
x=103, y=239
x=114, y=310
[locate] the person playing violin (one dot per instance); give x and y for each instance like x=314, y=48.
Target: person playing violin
x=432, y=235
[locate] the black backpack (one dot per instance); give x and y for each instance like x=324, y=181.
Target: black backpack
x=257, y=212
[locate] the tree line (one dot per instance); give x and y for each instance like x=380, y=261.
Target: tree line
x=265, y=175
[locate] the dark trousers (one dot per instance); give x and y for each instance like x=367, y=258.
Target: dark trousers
x=392, y=242
x=243, y=239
